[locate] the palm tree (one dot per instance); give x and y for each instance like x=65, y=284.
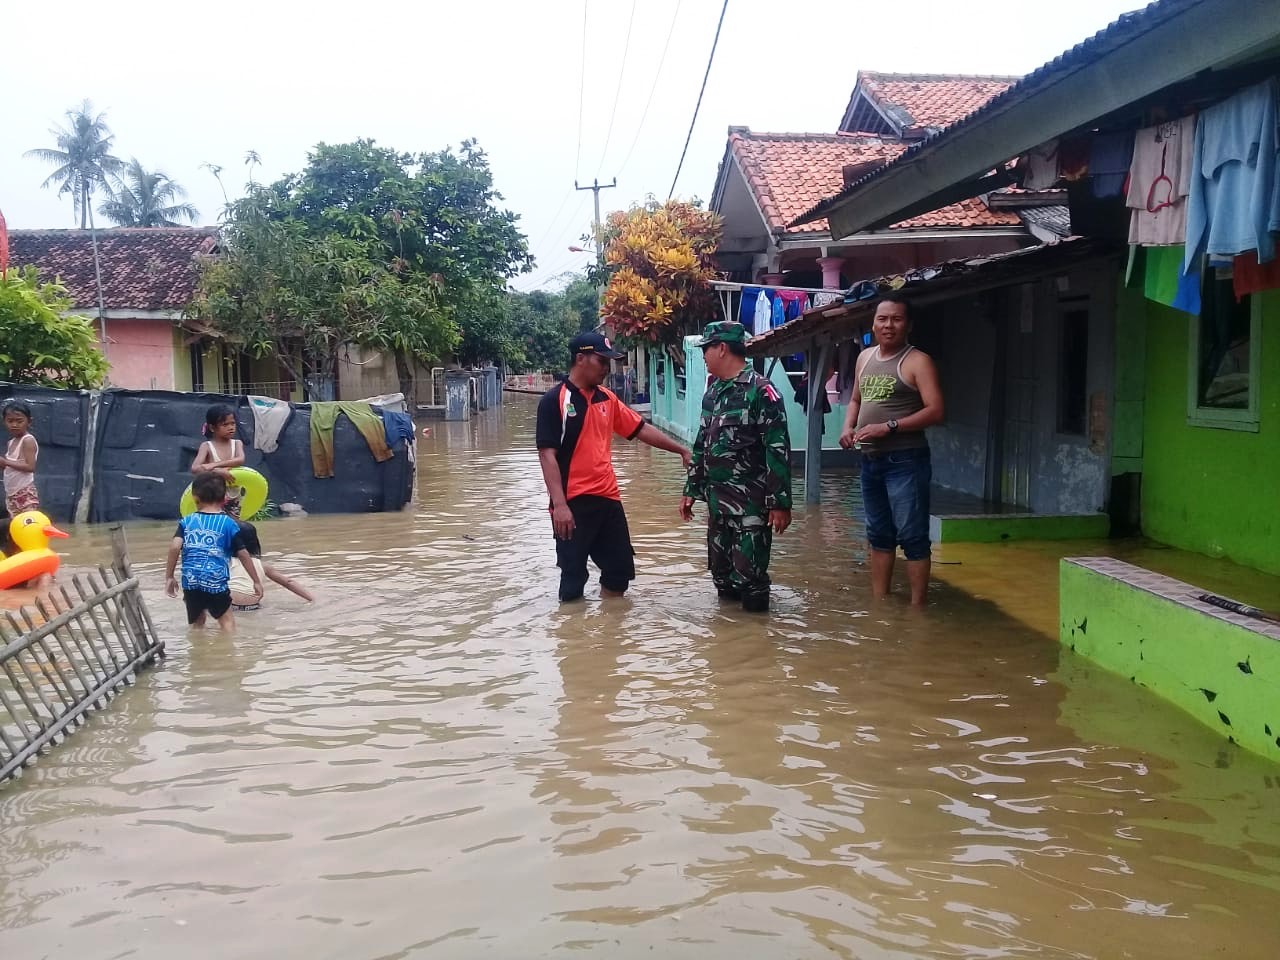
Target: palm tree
x=146, y=198
x=251, y=160
x=82, y=158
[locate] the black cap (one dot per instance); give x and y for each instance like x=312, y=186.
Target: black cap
x=594, y=343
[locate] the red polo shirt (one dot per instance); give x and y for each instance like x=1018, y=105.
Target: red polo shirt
x=580, y=427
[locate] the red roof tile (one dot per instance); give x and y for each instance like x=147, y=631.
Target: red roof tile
x=790, y=172
x=929, y=100
x=142, y=269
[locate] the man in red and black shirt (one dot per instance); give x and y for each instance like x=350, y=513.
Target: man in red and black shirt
x=576, y=423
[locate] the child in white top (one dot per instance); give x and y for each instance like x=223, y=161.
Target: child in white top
x=221, y=452
x=19, y=460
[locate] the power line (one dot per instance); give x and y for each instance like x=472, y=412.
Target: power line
x=582, y=88
x=652, y=89
x=698, y=105
x=617, y=93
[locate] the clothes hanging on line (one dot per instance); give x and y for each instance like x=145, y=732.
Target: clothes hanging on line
x=1234, y=203
x=827, y=297
x=802, y=396
x=846, y=370
x=1073, y=158
x=1160, y=181
x=1248, y=276
x=1109, y=158
x=760, y=321
x=1158, y=272
x=324, y=416
x=1041, y=166
x=747, y=307
x=778, y=315
x=269, y=419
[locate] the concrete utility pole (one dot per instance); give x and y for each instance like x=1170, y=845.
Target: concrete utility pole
x=595, y=188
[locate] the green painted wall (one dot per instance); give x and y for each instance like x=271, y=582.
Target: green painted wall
x=1224, y=675
x=680, y=415
x=1130, y=381
x=1207, y=489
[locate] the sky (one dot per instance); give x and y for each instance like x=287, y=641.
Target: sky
x=184, y=85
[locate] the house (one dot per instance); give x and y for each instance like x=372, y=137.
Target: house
x=767, y=180
x=1179, y=405
x=148, y=278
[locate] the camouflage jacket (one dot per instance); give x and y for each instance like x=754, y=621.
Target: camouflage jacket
x=742, y=455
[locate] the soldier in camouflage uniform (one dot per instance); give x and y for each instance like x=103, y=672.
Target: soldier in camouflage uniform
x=741, y=468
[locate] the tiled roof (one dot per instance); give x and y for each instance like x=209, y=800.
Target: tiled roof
x=929, y=100
x=142, y=269
x=788, y=173
x=1121, y=32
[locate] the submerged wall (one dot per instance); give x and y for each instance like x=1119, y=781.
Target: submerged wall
x=1222, y=668
x=139, y=445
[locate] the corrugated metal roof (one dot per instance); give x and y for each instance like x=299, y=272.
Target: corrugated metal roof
x=932, y=283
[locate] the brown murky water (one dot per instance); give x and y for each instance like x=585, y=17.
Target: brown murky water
x=439, y=760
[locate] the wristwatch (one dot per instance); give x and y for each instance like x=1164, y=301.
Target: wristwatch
x=892, y=425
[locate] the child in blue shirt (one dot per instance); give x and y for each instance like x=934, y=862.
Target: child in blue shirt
x=207, y=540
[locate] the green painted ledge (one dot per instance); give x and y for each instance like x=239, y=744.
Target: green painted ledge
x=999, y=527
x=1221, y=668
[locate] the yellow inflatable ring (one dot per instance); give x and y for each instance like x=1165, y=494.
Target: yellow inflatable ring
x=252, y=484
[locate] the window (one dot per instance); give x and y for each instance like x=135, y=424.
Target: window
x=1073, y=371
x=1222, y=374
x=196, y=351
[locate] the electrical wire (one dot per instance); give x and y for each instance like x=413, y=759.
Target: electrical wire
x=652, y=89
x=617, y=93
x=698, y=105
x=582, y=89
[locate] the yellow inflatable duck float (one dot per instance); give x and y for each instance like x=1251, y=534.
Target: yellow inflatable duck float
x=30, y=533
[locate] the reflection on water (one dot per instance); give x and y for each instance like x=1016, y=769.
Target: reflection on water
x=439, y=760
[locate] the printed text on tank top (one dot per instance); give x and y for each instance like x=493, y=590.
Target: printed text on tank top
x=886, y=396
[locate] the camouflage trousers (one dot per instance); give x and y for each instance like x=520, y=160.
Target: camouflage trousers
x=738, y=554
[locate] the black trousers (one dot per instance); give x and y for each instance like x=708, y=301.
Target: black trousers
x=600, y=534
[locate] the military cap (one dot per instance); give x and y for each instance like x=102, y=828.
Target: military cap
x=723, y=331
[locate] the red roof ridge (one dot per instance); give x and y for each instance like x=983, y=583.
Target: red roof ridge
x=940, y=77
x=81, y=231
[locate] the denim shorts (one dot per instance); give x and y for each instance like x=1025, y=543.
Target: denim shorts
x=895, y=495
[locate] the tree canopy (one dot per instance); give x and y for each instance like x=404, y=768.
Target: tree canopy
x=42, y=344
x=366, y=245
x=542, y=323
x=138, y=197
x=659, y=263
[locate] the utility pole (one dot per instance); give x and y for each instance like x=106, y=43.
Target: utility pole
x=595, y=188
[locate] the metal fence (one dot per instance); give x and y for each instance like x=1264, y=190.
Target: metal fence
x=70, y=654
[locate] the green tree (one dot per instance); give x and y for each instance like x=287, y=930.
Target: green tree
x=146, y=198
x=545, y=321
x=82, y=157
x=396, y=251
x=42, y=343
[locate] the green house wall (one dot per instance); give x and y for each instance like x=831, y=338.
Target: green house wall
x=1208, y=489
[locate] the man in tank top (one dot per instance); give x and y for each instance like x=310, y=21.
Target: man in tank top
x=895, y=397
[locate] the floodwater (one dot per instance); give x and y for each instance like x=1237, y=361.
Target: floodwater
x=438, y=760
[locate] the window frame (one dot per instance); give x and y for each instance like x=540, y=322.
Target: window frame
x=1220, y=418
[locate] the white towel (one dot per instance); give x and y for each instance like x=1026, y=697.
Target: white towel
x=269, y=418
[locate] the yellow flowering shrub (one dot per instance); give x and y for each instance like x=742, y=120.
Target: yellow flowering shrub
x=660, y=259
